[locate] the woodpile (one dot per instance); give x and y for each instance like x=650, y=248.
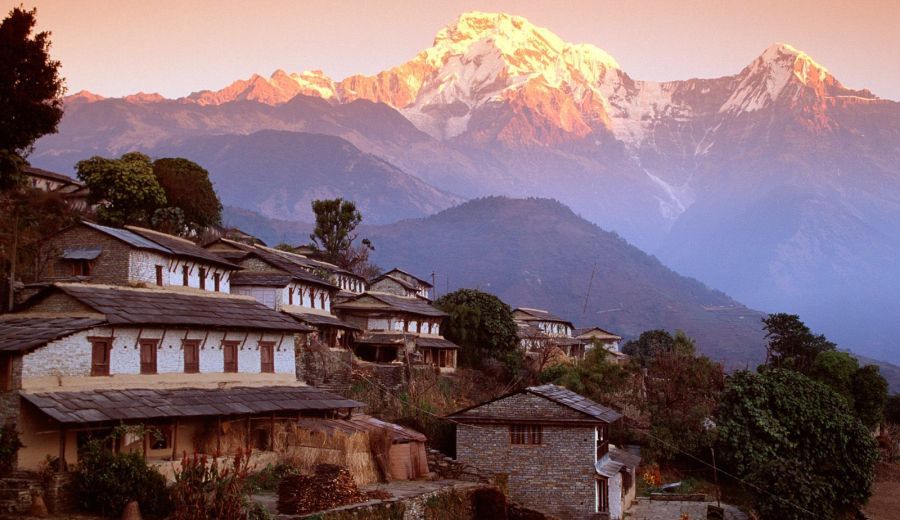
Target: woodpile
x=331, y=486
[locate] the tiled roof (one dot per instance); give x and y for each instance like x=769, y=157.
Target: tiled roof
x=416, y=305
x=180, y=246
x=141, y=404
x=320, y=319
x=127, y=306
x=435, y=343
x=20, y=332
x=265, y=279
x=560, y=395
x=130, y=238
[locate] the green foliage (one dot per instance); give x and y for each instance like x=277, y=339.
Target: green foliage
x=208, y=488
x=652, y=343
x=188, y=188
x=595, y=377
x=333, y=236
x=791, y=344
x=892, y=409
x=781, y=419
x=682, y=392
x=870, y=391
x=836, y=369
x=480, y=323
x=107, y=481
x=270, y=476
x=125, y=189
x=31, y=89
x=9, y=448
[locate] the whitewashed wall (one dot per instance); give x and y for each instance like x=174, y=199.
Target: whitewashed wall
x=142, y=269
x=71, y=356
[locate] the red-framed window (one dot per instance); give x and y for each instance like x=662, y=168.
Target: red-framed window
x=230, y=354
x=526, y=434
x=148, y=355
x=100, y=353
x=191, y=356
x=267, y=357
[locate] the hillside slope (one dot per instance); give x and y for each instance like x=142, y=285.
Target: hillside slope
x=538, y=253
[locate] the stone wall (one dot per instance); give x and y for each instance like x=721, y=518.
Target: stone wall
x=111, y=267
x=328, y=368
x=556, y=476
x=9, y=399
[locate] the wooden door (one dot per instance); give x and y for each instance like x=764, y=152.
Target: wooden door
x=148, y=356
x=230, y=352
x=100, y=352
x=191, y=356
x=267, y=356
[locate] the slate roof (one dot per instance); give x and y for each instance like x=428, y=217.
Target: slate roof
x=20, y=333
x=426, y=283
x=403, y=283
x=556, y=394
x=127, y=306
x=603, y=332
x=625, y=457
x=38, y=172
x=560, y=395
x=181, y=247
x=435, y=343
x=291, y=267
x=539, y=315
x=361, y=423
x=393, y=302
x=260, y=278
x=382, y=338
x=104, y=405
x=82, y=253
x=320, y=319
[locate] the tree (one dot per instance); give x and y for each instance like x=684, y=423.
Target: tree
x=652, y=343
x=791, y=343
x=779, y=419
x=187, y=187
x=30, y=90
x=596, y=377
x=333, y=236
x=125, y=189
x=682, y=393
x=480, y=323
x=870, y=394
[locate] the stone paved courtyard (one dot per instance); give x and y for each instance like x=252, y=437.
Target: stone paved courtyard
x=646, y=509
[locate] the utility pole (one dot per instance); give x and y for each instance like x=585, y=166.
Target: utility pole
x=433, y=285
x=588, y=294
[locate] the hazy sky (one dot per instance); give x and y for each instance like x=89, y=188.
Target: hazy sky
x=176, y=47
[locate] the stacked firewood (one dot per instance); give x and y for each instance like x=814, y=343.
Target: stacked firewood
x=331, y=486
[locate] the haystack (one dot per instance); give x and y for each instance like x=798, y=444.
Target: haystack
x=331, y=486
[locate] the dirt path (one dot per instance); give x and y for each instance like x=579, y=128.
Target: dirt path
x=885, y=501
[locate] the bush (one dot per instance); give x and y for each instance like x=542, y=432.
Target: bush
x=208, y=488
x=9, y=448
x=107, y=481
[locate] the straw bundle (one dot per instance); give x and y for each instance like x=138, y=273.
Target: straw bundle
x=305, y=449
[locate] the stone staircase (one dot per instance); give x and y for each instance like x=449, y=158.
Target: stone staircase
x=16, y=491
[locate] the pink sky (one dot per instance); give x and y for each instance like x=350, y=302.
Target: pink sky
x=176, y=47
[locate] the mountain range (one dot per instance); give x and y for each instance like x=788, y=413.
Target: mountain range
x=778, y=184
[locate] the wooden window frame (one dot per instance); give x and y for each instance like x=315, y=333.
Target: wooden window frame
x=100, y=369
x=152, y=345
x=7, y=361
x=233, y=367
x=602, y=495
x=290, y=295
x=194, y=345
x=159, y=275
x=186, y=275
x=217, y=282
x=201, y=273
x=82, y=267
x=267, y=368
x=526, y=434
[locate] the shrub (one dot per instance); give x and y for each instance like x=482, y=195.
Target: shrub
x=107, y=481
x=208, y=488
x=9, y=448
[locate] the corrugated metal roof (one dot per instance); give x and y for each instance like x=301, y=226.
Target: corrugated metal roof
x=82, y=253
x=128, y=237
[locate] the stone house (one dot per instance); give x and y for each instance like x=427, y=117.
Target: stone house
x=398, y=329
x=596, y=336
x=399, y=282
x=209, y=372
x=553, y=447
x=88, y=252
x=542, y=333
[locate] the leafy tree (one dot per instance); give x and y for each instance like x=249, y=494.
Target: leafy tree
x=480, y=323
x=125, y=189
x=30, y=90
x=652, y=343
x=188, y=188
x=596, y=377
x=836, y=369
x=780, y=419
x=333, y=236
x=870, y=393
x=791, y=343
x=682, y=393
